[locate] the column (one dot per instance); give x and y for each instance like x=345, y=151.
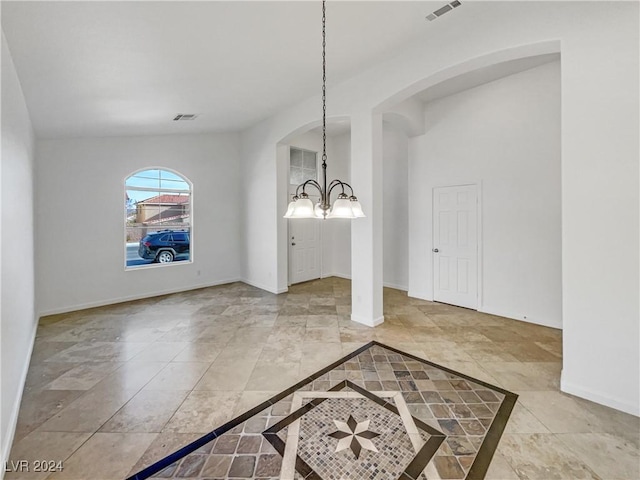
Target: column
x=366, y=233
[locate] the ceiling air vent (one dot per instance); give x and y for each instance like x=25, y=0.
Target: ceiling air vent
x=185, y=116
x=442, y=10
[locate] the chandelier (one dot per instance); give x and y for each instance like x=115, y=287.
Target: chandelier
x=346, y=205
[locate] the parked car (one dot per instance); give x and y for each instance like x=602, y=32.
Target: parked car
x=165, y=246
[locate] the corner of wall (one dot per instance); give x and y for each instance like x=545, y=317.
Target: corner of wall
x=7, y=441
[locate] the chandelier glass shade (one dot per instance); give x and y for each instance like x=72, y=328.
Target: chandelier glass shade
x=346, y=205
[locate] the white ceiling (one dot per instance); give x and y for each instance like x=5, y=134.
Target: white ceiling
x=127, y=68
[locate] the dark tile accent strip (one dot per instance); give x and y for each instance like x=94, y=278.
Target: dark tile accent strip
x=481, y=464
x=292, y=417
x=483, y=458
x=413, y=470
x=419, y=423
x=186, y=450
x=477, y=471
x=301, y=466
x=448, y=370
x=428, y=450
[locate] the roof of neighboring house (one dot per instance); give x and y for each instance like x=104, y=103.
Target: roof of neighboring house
x=166, y=199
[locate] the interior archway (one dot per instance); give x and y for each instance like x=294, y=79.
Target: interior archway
x=334, y=236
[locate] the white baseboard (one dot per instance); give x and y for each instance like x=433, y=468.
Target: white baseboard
x=368, y=322
x=13, y=419
x=598, y=397
x=348, y=277
x=339, y=275
x=128, y=298
x=396, y=286
x=420, y=296
x=504, y=313
x=263, y=287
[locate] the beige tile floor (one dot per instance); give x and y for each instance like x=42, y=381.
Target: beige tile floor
x=113, y=389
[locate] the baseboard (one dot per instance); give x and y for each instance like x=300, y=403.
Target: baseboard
x=263, y=287
x=348, y=277
x=420, y=296
x=395, y=286
x=113, y=301
x=13, y=420
x=339, y=275
x=597, y=397
x=504, y=313
x=365, y=321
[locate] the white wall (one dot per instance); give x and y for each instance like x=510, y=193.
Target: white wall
x=505, y=137
x=340, y=153
x=600, y=137
x=17, y=316
x=80, y=187
x=395, y=207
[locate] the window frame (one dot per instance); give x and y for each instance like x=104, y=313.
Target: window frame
x=317, y=166
x=159, y=191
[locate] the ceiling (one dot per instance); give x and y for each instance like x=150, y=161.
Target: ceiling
x=127, y=68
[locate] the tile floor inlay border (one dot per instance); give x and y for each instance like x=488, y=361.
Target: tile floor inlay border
x=443, y=423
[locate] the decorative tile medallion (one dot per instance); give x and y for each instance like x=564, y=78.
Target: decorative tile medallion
x=314, y=448
x=377, y=413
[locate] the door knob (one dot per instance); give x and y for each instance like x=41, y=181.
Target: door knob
x=292, y=243
x=435, y=250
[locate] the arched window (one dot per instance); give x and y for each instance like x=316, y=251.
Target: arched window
x=157, y=218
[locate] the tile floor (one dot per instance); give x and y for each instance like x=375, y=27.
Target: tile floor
x=377, y=413
x=113, y=389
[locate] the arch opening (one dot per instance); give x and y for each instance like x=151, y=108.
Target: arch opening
x=333, y=239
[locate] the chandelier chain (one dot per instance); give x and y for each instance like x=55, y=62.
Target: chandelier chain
x=324, y=87
x=346, y=206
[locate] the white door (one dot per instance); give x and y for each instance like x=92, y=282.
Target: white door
x=304, y=250
x=455, y=245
